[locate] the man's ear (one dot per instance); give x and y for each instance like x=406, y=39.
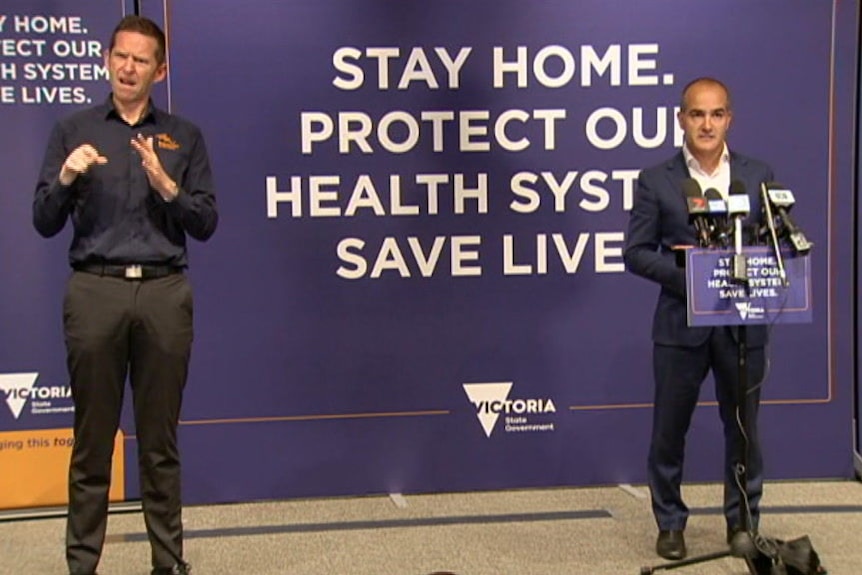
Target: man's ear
x=161, y=72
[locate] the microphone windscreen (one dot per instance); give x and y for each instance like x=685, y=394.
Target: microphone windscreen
x=691, y=188
x=781, y=197
x=694, y=200
x=717, y=205
x=738, y=204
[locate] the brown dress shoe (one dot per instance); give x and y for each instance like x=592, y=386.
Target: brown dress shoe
x=671, y=545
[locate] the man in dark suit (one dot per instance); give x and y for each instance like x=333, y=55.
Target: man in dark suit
x=683, y=355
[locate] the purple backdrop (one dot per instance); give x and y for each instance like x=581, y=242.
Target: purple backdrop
x=50, y=65
x=306, y=382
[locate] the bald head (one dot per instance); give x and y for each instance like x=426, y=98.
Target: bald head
x=704, y=82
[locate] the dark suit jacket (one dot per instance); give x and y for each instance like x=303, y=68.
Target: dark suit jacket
x=659, y=220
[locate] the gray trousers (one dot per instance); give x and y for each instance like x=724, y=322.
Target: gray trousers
x=117, y=329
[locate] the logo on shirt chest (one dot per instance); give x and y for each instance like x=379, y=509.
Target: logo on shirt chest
x=165, y=141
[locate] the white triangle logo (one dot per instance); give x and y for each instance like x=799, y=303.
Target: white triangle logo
x=742, y=308
x=17, y=387
x=483, y=395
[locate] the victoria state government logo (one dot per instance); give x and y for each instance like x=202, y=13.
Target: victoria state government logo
x=748, y=311
x=491, y=400
x=18, y=388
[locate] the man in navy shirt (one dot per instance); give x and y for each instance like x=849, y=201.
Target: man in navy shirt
x=135, y=181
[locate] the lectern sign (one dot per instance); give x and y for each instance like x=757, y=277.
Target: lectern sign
x=714, y=297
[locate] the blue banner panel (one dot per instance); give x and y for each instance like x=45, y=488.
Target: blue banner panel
x=417, y=283
x=51, y=64
x=420, y=199
x=774, y=291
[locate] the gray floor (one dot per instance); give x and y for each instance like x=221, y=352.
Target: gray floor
x=596, y=531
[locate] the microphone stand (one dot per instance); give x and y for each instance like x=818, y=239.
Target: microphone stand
x=743, y=544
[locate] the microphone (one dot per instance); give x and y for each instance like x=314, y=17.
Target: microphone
x=770, y=228
x=782, y=200
x=738, y=203
x=718, y=215
x=738, y=208
x=698, y=210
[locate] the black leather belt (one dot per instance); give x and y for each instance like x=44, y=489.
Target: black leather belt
x=129, y=272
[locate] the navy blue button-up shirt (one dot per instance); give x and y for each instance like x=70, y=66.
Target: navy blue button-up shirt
x=117, y=217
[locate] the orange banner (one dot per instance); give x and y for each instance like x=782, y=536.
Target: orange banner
x=34, y=468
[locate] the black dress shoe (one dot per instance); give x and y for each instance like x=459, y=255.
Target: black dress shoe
x=671, y=545
x=731, y=533
x=742, y=544
x=178, y=569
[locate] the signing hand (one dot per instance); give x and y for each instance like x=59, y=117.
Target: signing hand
x=158, y=178
x=78, y=162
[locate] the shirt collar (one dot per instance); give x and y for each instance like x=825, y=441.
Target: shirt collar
x=692, y=162
x=111, y=111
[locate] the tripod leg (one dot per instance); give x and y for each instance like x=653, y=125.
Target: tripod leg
x=684, y=562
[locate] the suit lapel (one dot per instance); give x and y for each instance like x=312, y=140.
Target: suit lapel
x=739, y=170
x=677, y=171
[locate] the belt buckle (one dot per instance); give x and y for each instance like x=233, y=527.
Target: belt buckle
x=134, y=272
